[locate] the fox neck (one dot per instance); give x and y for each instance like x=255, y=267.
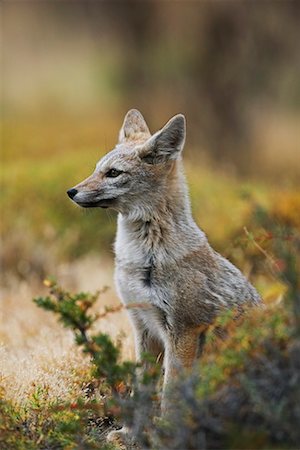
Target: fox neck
x=163, y=224
x=170, y=203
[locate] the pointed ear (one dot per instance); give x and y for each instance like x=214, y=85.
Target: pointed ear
x=134, y=127
x=167, y=143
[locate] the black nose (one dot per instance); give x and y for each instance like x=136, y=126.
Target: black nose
x=72, y=192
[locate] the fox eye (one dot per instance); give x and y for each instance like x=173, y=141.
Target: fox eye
x=113, y=173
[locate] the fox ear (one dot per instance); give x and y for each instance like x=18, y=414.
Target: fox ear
x=134, y=127
x=167, y=143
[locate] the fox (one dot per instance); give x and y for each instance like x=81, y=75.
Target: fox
x=162, y=258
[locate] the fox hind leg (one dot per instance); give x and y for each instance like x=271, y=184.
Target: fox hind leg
x=182, y=351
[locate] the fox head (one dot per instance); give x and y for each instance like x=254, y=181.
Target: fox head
x=133, y=177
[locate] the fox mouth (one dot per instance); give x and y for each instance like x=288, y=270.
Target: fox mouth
x=104, y=203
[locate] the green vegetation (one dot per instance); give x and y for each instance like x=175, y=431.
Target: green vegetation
x=73, y=311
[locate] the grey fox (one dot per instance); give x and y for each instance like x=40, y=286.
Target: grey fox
x=162, y=258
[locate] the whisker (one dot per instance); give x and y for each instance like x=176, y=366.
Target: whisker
x=110, y=218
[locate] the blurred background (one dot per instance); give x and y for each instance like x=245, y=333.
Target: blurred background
x=70, y=70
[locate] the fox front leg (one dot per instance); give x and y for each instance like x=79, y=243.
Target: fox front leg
x=146, y=344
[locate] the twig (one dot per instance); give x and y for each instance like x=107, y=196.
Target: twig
x=264, y=252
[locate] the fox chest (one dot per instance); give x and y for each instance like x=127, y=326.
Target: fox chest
x=141, y=274
x=136, y=284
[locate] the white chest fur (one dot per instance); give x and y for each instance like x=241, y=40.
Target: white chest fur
x=134, y=265
x=145, y=251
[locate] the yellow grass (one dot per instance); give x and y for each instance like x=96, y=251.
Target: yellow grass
x=36, y=351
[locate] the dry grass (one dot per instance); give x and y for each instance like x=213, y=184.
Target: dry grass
x=35, y=350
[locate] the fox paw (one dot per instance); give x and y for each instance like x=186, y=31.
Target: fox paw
x=122, y=438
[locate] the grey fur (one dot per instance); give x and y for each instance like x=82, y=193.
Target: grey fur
x=163, y=260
